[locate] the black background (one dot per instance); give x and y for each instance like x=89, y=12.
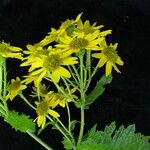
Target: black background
x=127, y=99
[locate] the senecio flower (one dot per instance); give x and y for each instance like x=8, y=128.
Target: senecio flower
x=14, y=88
x=109, y=56
x=61, y=99
x=49, y=64
x=6, y=50
x=80, y=41
x=54, y=35
x=44, y=108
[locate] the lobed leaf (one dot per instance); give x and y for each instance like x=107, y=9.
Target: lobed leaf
x=114, y=139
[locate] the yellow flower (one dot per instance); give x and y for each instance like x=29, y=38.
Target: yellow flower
x=62, y=99
x=14, y=88
x=43, y=109
x=54, y=34
x=10, y=51
x=42, y=89
x=80, y=41
x=50, y=65
x=86, y=28
x=109, y=56
x=35, y=53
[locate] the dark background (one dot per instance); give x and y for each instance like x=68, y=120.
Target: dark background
x=127, y=99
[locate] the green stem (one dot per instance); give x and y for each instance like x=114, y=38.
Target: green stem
x=39, y=140
x=27, y=102
x=4, y=84
x=5, y=79
x=82, y=93
x=81, y=71
x=85, y=77
x=2, y=106
x=1, y=78
x=59, y=128
x=76, y=72
x=88, y=62
x=2, y=110
x=72, y=84
x=90, y=78
x=81, y=125
x=68, y=88
x=69, y=117
x=73, y=75
x=63, y=92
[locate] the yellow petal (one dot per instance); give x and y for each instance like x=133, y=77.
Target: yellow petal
x=115, y=67
x=102, y=62
x=41, y=120
x=119, y=61
x=64, y=72
x=97, y=55
x=97, y=41
x=78, y=17
x=104, y=33
x=103, y=44
x=108, y=68
x=115, y=46
x=70, y=61
x=55, y=76
x=53, y=113
x=36, y=72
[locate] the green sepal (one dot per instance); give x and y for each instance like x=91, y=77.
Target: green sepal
x=98, y=90
x=20, y=122
x=70, y=30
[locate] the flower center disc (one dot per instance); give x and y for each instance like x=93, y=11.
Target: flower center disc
x=52, y=62
x=42, y=108
x=79, y=43
x=111, y=54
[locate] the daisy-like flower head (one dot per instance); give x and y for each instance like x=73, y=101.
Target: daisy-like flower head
x=6, y=50
x=34, y=54
x=42, y=89
x=86, y=27
x=109, y=56
x=62, y=99
x=70, y=22
x=54, y=34
x=80, y=41
x=52, y=65
x=43, y=109
x=14, y=88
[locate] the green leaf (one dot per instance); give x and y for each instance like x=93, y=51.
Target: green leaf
x=98, y=90
x=20, y=122
x=73, y=124
x=94, y=147
x=67, y=144
x=114, y=139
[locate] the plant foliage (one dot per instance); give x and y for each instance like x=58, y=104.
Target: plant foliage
x=20, y=122
x=114, y=139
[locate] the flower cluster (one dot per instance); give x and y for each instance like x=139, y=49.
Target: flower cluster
x=48, y=58
x=65, y=55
